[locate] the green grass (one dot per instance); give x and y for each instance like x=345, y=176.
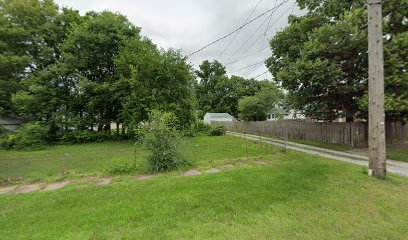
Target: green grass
x=296, y=196
x=99, y=158
x=338, y=147
x=398, y=152
x=394, y=152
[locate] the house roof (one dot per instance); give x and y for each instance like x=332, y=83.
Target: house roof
x=219, y=115
x=8, y=120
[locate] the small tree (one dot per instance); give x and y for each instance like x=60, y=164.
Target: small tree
x=163, y=141
x=252, y=109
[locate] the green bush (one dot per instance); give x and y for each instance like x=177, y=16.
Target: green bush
x=217, y=131
x=199, y=128
x=122, y=169
x=3, y=130
x=27, y=136
x=163, y=141
x=79, y=137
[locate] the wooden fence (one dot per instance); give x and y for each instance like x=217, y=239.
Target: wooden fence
x=354, y=134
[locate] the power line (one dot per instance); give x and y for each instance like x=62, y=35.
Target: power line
x=253, y=34
x=261, y=74
x=270, y=18
x=273, y=24
x=236, y=30
x=249, y=66
x=236, y=35
x=253, y=70
x=258, y=51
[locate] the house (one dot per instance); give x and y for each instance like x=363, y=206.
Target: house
x=218, y=117
x=285, y=114
x=10, y=123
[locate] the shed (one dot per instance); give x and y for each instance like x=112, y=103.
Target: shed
x=218, y=117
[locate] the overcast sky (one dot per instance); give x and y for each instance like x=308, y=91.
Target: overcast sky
x=192, y=24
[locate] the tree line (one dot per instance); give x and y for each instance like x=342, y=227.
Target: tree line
x=69, y=71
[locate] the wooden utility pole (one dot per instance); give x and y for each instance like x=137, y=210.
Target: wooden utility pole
x=376, y=119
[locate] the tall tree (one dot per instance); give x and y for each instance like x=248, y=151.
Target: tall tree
x=321, y=59
x=161, y=80
x=23, y=44
x=88, y=54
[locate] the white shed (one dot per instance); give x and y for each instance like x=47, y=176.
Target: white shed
x=218, y=117
x=10, y=123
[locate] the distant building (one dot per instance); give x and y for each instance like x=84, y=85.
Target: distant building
x=10, y=123
x=218, y=117
x=285, y=114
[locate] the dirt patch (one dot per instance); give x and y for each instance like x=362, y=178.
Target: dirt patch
x=192, y=172
x=229, y=166
x=260, y=162
x=212, y=170
x=104, y=181
x=8, y=189
x=144, y=177
x=55, y=186
x=28, y=188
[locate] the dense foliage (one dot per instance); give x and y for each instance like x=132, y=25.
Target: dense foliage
x=28, y=136
x=321, y=59
x=216, y=92
x=78, y=73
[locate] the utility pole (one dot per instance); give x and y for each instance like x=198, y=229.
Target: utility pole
x=376, y=119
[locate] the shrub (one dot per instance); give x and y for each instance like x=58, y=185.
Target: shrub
x=163, y=141
x=252, y=109
x=217, y=131
x=3, y=130
x=122, y=169
x=80, y=137
x=27, y=136
x=199, y=128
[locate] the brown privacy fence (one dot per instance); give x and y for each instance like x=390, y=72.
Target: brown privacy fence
x=353, y=134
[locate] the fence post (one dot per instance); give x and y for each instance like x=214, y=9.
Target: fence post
x=64, y=164
x=286, y=143
x=246, y=146
x=195, y=153
x=135, y=156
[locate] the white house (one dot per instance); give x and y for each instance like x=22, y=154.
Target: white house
x=285, y=114
x=218, y=117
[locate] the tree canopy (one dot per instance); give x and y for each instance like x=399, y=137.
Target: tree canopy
x=216, y=92
x=321, y=59
x=78, y=72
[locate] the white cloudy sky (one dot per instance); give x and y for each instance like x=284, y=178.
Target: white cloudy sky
x=191, y=24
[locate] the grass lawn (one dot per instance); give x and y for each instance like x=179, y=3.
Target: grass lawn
x=398, y=152
x=103, y=157
x=295, y=196
x=338, y=147
x=394, y=152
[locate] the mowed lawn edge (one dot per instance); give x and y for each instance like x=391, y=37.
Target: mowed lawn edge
x=295, y=196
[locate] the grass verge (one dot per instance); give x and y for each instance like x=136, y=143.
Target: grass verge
x=295, y=196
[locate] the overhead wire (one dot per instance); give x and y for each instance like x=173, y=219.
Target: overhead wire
x=267, y=30
x=236, y=30
x=261, y=74
x=258, y=65
x=236, y=35
x=253, y=34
